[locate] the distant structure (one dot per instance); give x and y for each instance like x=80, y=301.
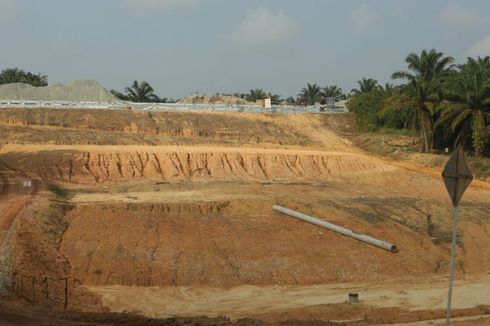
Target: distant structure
x=330, y=102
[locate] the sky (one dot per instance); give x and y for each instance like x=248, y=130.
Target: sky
x=227, y=46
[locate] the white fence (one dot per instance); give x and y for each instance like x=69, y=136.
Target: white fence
x=174, y=107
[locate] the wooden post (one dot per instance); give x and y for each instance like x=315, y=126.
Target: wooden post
x=14, y=282
x=33, y=290
x=66, y=293
x=46, y=288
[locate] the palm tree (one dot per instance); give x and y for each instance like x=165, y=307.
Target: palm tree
x=365, y=85
x=255, y=94
x=468, y=110
x=401, y=103
x=141, y=92
x=332, y=92
x=388, y=87
x=275, y=98
x=310, y=95
x=290, y=100
x=119, y=95
x=425, y=77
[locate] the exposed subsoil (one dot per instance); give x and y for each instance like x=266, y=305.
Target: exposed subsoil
x=166, y=211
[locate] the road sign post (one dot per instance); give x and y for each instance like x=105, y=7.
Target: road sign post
x=457, y=177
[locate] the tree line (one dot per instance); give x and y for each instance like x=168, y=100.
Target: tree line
x=447, y=103
x=16, y=75
x=142, y=91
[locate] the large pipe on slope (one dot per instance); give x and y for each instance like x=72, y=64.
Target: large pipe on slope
x=361, y=237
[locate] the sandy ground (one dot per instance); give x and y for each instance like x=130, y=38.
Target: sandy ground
x=249, y=301
x=469, y=321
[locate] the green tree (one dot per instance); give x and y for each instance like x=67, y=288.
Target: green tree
x=389, y=87
x=365, y=86
x=332, y=92
x=367, y=108
x=16, y=75
x=255, y=94
x=141, y=92
x=310, y=94
x=425, y=77
x=468, y=109
x=275, y=98
x=399, y=109
x=290, y=100
x=119, y=95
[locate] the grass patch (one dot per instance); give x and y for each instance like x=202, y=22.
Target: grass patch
x=59, y=205
x=401, y=144
x=480, y=166
x=58, y=191
x=398, y=132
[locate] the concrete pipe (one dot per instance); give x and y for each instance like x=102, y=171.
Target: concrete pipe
x=361, y=237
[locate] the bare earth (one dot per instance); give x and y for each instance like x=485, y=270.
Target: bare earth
x=170, y=215
x=268, y=303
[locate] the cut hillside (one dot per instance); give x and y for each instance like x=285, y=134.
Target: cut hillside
x=82, y=126
x=178, y=205
x=76, y=91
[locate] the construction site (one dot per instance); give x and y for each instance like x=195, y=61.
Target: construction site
x=129, y=216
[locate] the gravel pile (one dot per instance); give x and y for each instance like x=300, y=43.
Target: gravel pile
x=77, y=91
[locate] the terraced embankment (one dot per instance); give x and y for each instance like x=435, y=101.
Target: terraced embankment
x=181, y=202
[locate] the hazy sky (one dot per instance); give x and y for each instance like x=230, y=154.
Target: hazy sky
x=209, y=46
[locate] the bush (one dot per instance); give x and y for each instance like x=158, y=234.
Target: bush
x=367, y=108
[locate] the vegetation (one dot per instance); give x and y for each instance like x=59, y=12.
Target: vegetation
x=255, y=94
x=447, y=104
x=55, y=222
x=367, y=106
x=16, y=75
x=310, y=95
x=425, y=79
x=139, y=92
x=366, y=85
x=332, y=92
x=467, y=111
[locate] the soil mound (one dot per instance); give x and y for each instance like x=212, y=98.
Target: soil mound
x=214, y=99
x=76, y=91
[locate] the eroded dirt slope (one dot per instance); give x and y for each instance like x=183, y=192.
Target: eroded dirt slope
x=109, y=164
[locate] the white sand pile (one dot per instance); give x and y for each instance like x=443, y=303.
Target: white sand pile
x=214, y=99
x=76, y=91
